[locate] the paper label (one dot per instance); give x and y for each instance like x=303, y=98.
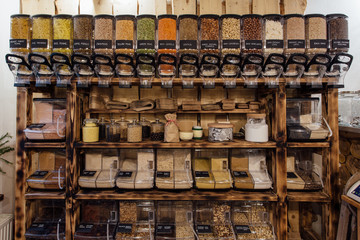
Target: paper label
x=202, y=174
x=79, y=44
x=167, y=44
x=99, y=44
x=124, y=44
x=240, y=229
x=231, y=43
x=61, y=43
x=188, y=44
x=274, y=43
x=18, y=43
x=253, y=44
x=146, y=44
x=39, y=43
x=209, y=44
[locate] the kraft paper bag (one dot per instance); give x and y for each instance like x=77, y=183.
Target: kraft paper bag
x=171, y=129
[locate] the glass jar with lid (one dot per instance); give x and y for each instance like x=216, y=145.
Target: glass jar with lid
x=338, y=33
x=315, y=33
x=123, y=128
x=41, y=34
x=273, y=32
x=198, y=132
x=134, y=132
x=294, y=34
x=145, y=126
x=102, y=128
x=113, y=132
x=20, y=34
x=63, y=34
x=104, y=34
x=90, y=130
x=256, y=129
x=157, y=130
x=125, y=34
x=83, y=32
x=251, y=33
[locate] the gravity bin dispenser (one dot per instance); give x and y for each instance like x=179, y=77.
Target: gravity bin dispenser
x=273, y=69
x=42, y=69
x=167, y=69
x=230, y=70
x=20, y=69
x=338, y=69
x=209, y=69
x=315, y=70
x=83, y=70
x=294, y=69
x=62, y=68
x=104, y=69
x=251, y=70
x=125, y=70
x=188, y=69
x=145, y=68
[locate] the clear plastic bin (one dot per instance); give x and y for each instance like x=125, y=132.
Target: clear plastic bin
x=128, y=169
x=145, y=169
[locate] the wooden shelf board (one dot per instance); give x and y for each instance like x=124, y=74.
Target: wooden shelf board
x=308, y=144
x=34, y=195
x=350, y=201
x=183, y=144
x=45, y=145
x=308, y=197
x=100, y=111
x=194, y=194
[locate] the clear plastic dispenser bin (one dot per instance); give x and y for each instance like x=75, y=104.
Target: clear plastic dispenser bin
x=104, y=69
x=251, y=69
x=20, y=69
x=125, y=70
x=42, y=69
x=184, y=220
x=48, y=222
x=294, y=181
x=294, y=69
x=273, y=69
x=98, y=220
x=109, y=169
x=167, y=69
x=136, y=220
x=128, y=169
x=188, y=69
x=83, y=70
x=258, y=169
x=209, y=69
x=230, y=70
x=338, y=69
x=49, y=172
x=165, y=221
x=49, y=120
x=62, y=68
x=145, y=169
x=304, y=121
x=316, y=69
x=145, y=68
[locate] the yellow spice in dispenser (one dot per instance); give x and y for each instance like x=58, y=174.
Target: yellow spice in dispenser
x=243, y=180
x=203, y=165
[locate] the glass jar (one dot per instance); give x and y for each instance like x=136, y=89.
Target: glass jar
x=220, y=132
x=209, y=34
x=145, y=32
x=157, y=131
x=145, y=126
x=41, y=34
x=102, y=129
x=90, y=130
x=63, y=34
x=273, y=33
x=198, y=132
x=123, y=128
x=251, y=34
x=338, y=33
x=256, y=129
x=167, y=34
x=294, y=34
x=188, y=34
x=315, y=33
x=20, y=34
x=125, y=34
x=83, y=32
x=104, y=34
x=113, y=132
x=134, y=132
x=230, y=34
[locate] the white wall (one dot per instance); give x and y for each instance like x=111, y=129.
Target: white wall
x=7, y=105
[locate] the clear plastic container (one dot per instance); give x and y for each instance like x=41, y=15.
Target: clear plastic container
x=338, y=33
x=134, y=132
x=104, y=34
x=240, y=169
x=204, y=178
x=109, y=169
x=128, y=169
x=145, y=32
x=165, y=220
x=338, y=69
x=209, y=34
x=48, y=221
x=145, y=125
x=221, y=172
x=41, y=34
x=188, y=34
x=48, y=120
x=294, y=181
x=258, y=169
x=90, y=130
x=304, y=121
x=273, y=33
x=20, y=34
x=252, y=34
x=256, y=129
x=123, y=128
x=157, y=129
x=220, y=132
x=230, y=34
x=93, y=164
x=63, y=34
x=145, y=169
x=182, y=165
x=316, y=34
x=184, y=220
x=83, y=34
x=49, y=172
x=165, y=169
x=125, y=34
x=294, y=34
x=113, y=132
x=102, y=128
x=167, y=34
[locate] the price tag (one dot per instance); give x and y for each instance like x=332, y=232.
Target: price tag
x=291, y=175
x=202, y=174
x=124, y=228
x=88, y=173
x=318, y=43
x=85, y=228
x=253, y=44
x=231, y=43
x=18, y=43
x=125, y=174
x=167, y=44
x=241, y=174
x=241, y=229
x=39, y=43
x=203, y=229
x=164, y=228
x=99, y=44
x=296, y=43
x=163, y=174
x=341, y=43
x=146, y=44
x=209, y=44
x=61, y=43
x=274, y=43
x=79, y=44
x=39, y=174
x=124, y=44
x=188, y=44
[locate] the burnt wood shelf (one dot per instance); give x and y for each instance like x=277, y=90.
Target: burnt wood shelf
x=308, y=197
x=193, y=194
x=308, y=144
x=183, y=144
x=45, y=145
x=239, y=111
x=38, y=195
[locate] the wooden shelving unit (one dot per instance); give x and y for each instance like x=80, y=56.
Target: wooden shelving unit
x=72, y=195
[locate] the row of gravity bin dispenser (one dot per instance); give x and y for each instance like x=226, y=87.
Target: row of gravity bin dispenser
x=317, y=70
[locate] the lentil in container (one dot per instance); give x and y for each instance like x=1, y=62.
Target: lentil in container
x=146, y=27
x=188, y=34
x=167, y=34
x=125, y=34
